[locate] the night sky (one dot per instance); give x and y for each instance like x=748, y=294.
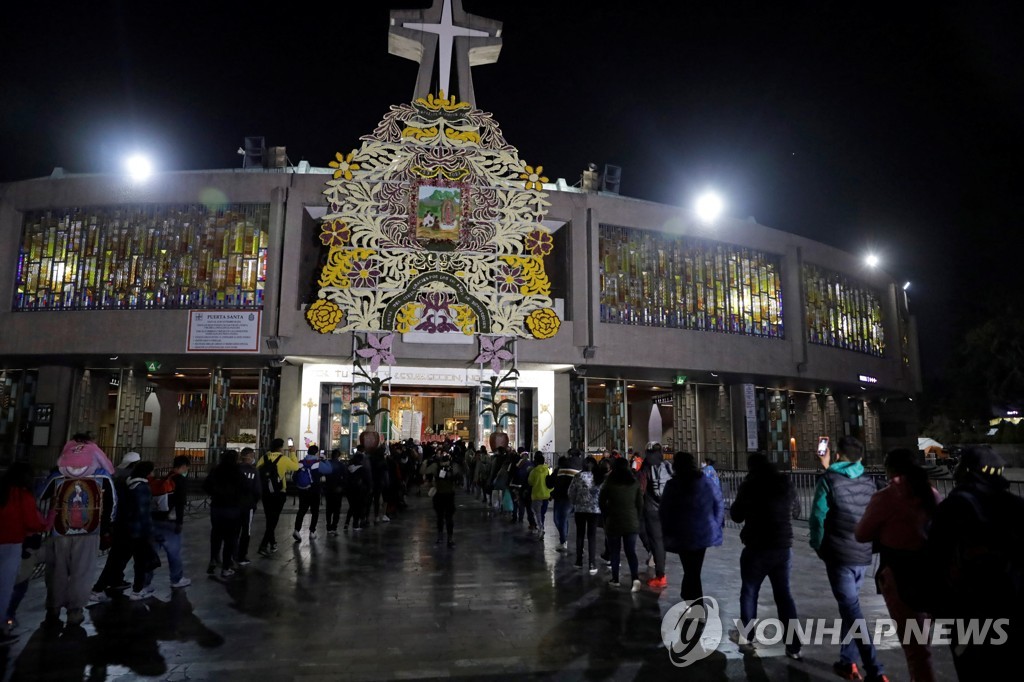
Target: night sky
x=895, y=127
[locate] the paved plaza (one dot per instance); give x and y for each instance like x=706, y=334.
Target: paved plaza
x=385, y=603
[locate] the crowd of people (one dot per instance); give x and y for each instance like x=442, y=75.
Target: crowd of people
x=957, y=558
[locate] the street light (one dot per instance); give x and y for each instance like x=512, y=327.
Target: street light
x=139, y=167
x=709, y=207
x=871, y=260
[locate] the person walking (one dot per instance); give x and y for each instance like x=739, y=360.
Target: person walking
x=896, y=521
x=840, y=498
x=228, y=489
x=976, y=549
x=655, y=473
x=78, y=491
x=764, y=505
x=484, y=476
x=358, y=485
x=19, y=518
x=115, y=538
x=333, y=472
x=540, y=491
x=447, y=476
x=584, y=495
x=309, y=484
x=622, y=505
x=169, y=518
x=562, y=477
x=247, y=464
x=274, y=468
x=692, y=516
x=138, y=509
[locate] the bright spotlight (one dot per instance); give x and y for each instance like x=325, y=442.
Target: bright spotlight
x=709, y=207
x=906, y=285
x=871, y=260
x=139, y=167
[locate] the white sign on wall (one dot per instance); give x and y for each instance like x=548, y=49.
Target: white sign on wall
x=223, y=331
x=750, y=411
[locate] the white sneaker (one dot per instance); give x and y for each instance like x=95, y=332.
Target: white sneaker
x=144, y=593
x=385, y=518
x=98, y=597
x=295, y=534
x=564, y=546
x=312, y=536
x=184, y=582
x=636, y=585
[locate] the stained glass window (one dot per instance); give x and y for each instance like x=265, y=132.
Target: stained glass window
x=660, y=280
x=842, y=312
x=145, y=256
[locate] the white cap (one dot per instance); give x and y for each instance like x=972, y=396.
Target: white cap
x=129, y=459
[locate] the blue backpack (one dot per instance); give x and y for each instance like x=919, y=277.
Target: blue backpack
x=303, y=478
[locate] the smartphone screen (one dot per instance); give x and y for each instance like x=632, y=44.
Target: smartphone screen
x=822, y=445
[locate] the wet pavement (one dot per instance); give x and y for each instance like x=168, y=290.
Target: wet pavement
x=386, y=603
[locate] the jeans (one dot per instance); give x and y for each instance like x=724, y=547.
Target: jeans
x=562, y=510
x=165, y=537
x=845, y=581
x=775, y=564
x=655, y=542
x=309, y=501
x=273, y=503
x=586, y=528
x=540, y=512
x=616, y=542
x=10, y=561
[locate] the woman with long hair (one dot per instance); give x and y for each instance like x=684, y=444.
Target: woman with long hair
x=692, y=515
x=897, y=520
x=584, y=492
x=622, y=505
x=19, y=518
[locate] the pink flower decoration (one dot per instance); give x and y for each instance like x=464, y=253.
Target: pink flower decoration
x=492, y=350
x=378, y=350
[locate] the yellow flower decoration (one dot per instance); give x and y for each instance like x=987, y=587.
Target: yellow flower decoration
x=324, y=315
x=465, y=319
x=407, y=317
x=339, y=265
x=344, y=165
x=543, y=323
x=532, y=270
x=534, y=179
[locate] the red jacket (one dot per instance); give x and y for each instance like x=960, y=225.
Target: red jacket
x=20, y=518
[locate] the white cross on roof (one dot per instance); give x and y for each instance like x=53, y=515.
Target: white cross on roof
x=415, y=35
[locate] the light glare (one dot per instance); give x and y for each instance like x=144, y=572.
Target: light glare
x=871, y=260
x=709, y=207
x=906, y=286
x=138, y=166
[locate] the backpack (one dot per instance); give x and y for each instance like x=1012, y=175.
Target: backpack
x=657, y=477
x=326, y=468
x=161, y=489
x=303, y=477
x=271, y=476
x=79, y=505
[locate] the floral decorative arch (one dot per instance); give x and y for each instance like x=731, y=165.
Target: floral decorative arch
x=434, y=224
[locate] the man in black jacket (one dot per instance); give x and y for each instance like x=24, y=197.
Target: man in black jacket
x=764, y=505
x=840, y=498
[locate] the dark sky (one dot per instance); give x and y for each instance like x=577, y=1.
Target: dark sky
x=894, y=127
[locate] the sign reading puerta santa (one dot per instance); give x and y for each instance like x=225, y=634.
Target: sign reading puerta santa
x=434, y=225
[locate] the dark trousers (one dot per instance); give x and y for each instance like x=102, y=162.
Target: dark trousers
x=244, y=534
x=225, y=526
x=615, y=544
x=273, y=503
x=142, y=561
x=774, y=564
x=117, y=560
x=655, y=542
x=693, y=564
x=444, y=507
x=309, y=501
x=586, y=527
x=357, y=505
x=332, y=502
x=375, y=499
